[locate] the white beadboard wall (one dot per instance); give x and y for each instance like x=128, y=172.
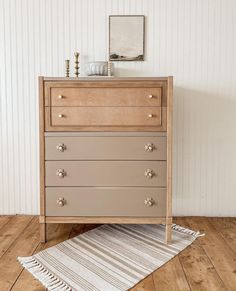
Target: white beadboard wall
x=192, y=40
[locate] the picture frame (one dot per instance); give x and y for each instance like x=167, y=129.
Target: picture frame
x=126, y=37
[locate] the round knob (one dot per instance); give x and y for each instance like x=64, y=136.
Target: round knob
x=150, y=96
x=61, y=173
x=61, y=115
x=61, y=202
x=61, y=147
x=149, y=202
x=150, y=115
x=149, y=147
x=149, y=173
x=60, y=96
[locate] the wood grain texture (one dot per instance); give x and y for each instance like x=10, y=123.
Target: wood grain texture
x=104, y=219
x=157, y=123
x=221, y=256
x=105, y=97
x=227, y=228
x=132, y=84
x=199, y=270
x=24, y=245
x=105, y=116
x=11, y=230
x=4, y=220
x=191, y=270
x=171, y=277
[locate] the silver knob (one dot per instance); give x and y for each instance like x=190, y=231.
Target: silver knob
x=149, y=173
x=61, y=202
x=150, y=115
x=149, y=147
x=150, y=96
x=60, y=96
x=61, y=147
x=149, y=202
x=61, y=115
x=61, y=173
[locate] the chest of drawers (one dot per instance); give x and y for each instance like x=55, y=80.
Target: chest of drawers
x=105, y=151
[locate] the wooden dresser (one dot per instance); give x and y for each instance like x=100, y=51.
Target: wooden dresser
x=106, y=151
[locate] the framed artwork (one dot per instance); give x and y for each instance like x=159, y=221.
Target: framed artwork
x=126, y=37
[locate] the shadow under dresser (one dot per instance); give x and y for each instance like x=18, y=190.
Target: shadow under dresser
x=106, y=151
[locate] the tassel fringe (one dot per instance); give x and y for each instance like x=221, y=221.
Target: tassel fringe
x=52, y=282
x=49, y=280
x=179, y=228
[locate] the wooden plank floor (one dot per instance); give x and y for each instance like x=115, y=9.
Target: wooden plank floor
x=208, y=264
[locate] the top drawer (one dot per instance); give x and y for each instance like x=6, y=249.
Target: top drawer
x=105, y=96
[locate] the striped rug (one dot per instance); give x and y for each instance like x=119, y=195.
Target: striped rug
x=108, y=258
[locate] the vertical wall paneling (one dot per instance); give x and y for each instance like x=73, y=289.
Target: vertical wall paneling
x=192, y=40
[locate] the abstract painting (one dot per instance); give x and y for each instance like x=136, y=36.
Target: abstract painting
x=126, y=37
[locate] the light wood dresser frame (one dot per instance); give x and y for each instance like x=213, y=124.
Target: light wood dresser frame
x=166, y=85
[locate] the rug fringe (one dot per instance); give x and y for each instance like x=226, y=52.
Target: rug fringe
x=193, y=233
x=49, y=280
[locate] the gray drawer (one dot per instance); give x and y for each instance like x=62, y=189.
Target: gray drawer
x=105, y=173
x=85, y=201
x=105, y=148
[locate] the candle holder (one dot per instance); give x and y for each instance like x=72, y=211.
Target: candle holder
x=77, y=64
x=67, y=68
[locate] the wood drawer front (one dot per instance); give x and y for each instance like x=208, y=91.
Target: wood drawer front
x=105, y=201
x=105, y=173
x=105, y=148
x=105, y=96
x=105, y=116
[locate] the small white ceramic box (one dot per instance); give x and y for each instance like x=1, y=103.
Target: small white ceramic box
x=98, y=69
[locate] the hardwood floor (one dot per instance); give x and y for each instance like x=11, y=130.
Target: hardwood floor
x=208, y=264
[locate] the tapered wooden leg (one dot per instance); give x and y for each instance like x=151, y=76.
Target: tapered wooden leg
x=43, y=232
x=168, y=233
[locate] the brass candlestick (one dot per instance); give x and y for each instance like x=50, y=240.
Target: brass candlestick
x=76, y=64
x=67, y=68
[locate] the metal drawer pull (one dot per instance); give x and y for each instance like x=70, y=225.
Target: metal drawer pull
x=149, y=147
x=61, y=147
x=150, y=96
x=149, y=173
x=61, y=173
x=150, y=115
x=149, y=202
x=61, y=115
x=61, y=202
x=60, y=96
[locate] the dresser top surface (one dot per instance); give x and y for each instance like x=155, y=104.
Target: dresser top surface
x=101, y=79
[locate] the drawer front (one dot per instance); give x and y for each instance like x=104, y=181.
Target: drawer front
x=80, y=201
x=105, y=173
x=105, y=96
x=106, y=116
x=105, y=148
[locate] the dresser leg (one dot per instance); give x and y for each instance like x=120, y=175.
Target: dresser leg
x=43, y=232
x=168, y=233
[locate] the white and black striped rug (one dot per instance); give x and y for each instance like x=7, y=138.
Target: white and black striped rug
x=108, y=258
